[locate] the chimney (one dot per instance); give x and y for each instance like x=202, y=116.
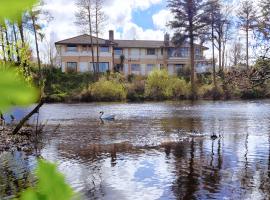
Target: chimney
x=111, y=35
x=166, y=39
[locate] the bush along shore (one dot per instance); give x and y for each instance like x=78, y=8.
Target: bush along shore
x=26, y=140
x=158, y=85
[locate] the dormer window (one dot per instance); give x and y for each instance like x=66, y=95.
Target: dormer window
x=151, y=51
x=72, y=48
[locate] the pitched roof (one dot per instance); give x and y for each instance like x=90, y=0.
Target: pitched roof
x=139, y=43
x=85, y=40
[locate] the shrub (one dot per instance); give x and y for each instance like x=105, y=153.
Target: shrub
x=208, y=91
x=157, y=85
x=180, y=89
x=107, y=90
x=136, y=90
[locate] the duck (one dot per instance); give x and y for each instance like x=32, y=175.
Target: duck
x=106, y=117
x=2, y=119
x=214, y=136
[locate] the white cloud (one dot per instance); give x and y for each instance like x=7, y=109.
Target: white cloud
x=119, y=13
x=162, y=18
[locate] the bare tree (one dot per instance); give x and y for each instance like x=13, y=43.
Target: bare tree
x=2, y=43
x=190, y=19
x=84, y=19
x=223, y=29
x=236, y=53
x=247, y=21
x=100, y=18
x=214, y=10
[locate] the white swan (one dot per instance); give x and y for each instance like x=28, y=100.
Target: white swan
x=106, y=117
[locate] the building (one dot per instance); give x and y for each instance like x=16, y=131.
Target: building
x=136, y=56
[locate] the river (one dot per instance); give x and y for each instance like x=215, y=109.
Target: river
x=152, y=150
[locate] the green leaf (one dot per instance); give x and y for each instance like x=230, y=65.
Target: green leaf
x=14, y=90
x=12, y=9
x=51, y=185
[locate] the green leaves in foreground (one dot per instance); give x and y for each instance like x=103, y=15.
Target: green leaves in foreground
x=14, y=90
x=12, y=9
x=51, y=185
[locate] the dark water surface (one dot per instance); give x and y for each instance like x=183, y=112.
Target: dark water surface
x=153, y=151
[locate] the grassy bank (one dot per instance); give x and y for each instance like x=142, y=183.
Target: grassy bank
x=158, y=85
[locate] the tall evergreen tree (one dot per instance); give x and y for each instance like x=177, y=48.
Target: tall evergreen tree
x=190, y=19
x=247, y=22
x=264, y=25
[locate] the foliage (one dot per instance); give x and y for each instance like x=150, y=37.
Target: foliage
x=51, y=184
x=15, y=91
x=12, y=9
x=136, y=89
x=61, y=86
x=157, y=85
x=180, y=89
x=107, y=90
x=208, y=91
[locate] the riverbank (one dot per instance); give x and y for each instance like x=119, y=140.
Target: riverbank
x=25, y=140
x=157, y=86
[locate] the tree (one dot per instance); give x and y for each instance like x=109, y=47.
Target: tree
x=190, y=20
x=247, y=21
x=84, y=19
x=223, y=32
x=236, y=53
x=263, y=29
x=2, y=43
x=214, y=10
x=99, y=21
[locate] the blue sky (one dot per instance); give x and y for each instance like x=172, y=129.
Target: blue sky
x=144, y=18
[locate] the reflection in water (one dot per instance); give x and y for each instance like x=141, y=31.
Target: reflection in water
x=154, y=151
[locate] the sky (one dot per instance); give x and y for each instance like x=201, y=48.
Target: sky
x=130, y=19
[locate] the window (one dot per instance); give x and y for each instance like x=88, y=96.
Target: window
x=103, y=66
x=118, y=51
x=179, y=68
x=184, y=52
x=104, y=49
x=151, y=51
x=71, y=67
x=197, y=52
x=135, y=68
x=72, y=48
x=149, y=67
x=84, y=48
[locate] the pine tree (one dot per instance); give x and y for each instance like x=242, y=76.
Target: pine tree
x=247, y=22
x=190, y=19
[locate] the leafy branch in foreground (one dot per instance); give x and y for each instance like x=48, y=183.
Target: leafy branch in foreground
x=15, y=91
x=51, y=185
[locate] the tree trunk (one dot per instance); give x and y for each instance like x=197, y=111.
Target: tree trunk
x=192, y=66
x=213, y=55
x=3, y=44
x=91, y=39
x=97, y=30
x=247, y=53
x=16, y=44
x=20, y=26
x=27, y=117
x=220, y=55
x=37, y=48
x=8, y=44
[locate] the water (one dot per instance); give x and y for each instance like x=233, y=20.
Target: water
x=153, y=151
